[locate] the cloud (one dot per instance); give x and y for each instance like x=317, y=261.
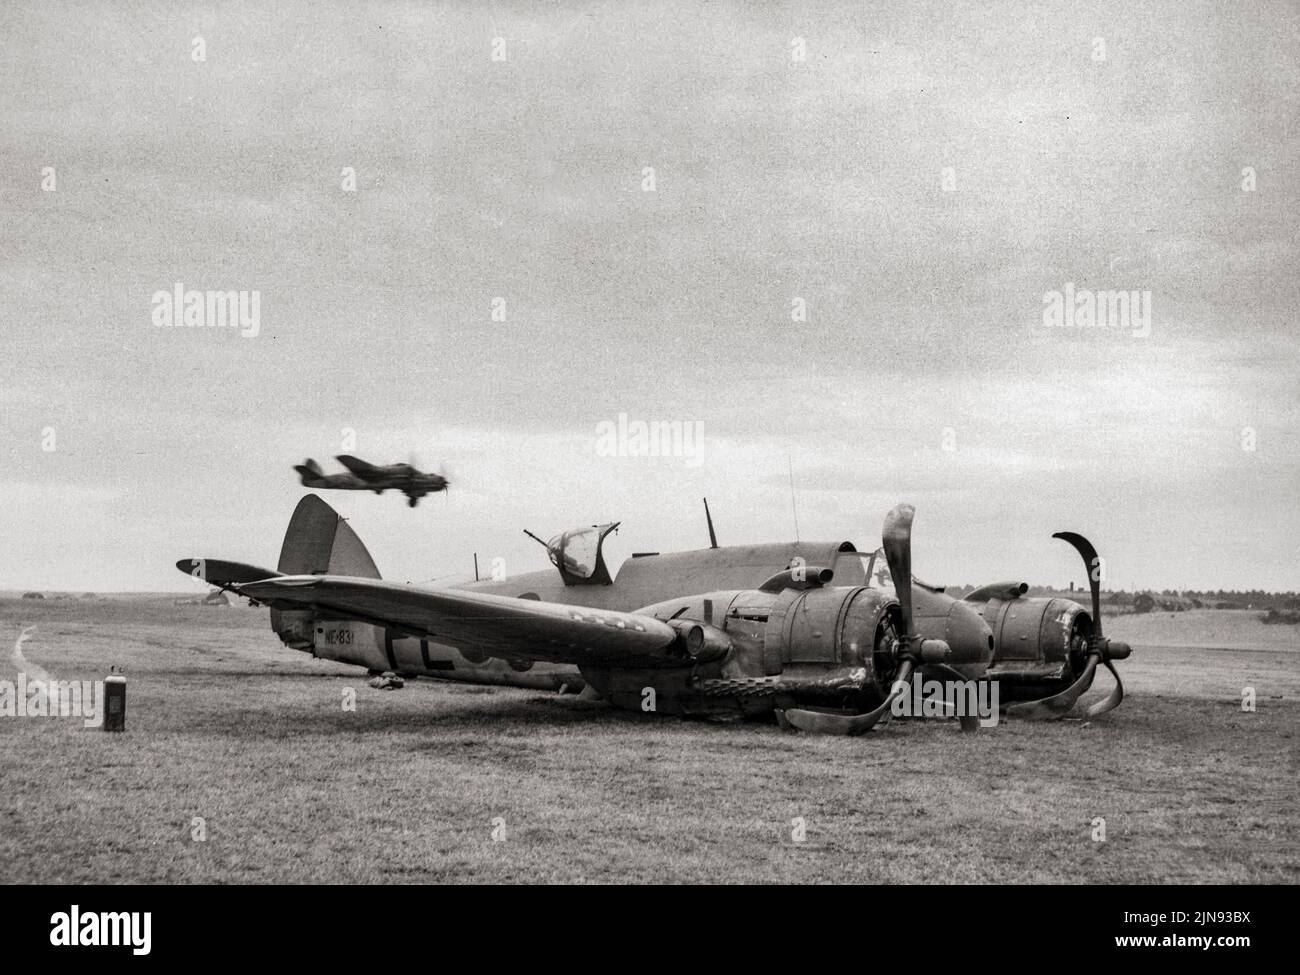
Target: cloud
x=521, y=180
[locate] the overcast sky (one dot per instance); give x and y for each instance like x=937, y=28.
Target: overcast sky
x=922, y=180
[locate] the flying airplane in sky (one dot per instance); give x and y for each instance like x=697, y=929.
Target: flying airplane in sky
x=362, y=476
x=813, y=633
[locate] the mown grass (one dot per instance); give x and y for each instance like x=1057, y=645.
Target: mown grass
x=225, y=724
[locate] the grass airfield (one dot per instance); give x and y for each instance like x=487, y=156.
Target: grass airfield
x=226, y=724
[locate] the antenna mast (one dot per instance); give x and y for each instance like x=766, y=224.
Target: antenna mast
x=794, y=508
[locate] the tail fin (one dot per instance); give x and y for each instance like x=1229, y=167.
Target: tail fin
x=319, y=542
x=316, y=542
x=309, y=471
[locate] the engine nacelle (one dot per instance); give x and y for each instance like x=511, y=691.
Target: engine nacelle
x=833, y=627
x=817, y=643
x=808, y=644
x=1039, y=637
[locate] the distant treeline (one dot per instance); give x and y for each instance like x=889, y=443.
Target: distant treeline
x=1168, y=600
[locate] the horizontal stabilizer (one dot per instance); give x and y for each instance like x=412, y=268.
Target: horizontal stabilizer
x=223, y=574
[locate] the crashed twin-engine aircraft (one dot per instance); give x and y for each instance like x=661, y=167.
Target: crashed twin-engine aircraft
x=815, y=634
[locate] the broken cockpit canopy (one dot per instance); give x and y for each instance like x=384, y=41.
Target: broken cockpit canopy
x=579, y=555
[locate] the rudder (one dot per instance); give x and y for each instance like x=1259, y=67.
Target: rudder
x=317, y=542
x=320, y=542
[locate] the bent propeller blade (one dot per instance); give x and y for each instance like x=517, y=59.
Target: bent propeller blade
x=1113, y=698
x=896, y=539
x=1093, y=563
x=1058, y=705
x=826, y=723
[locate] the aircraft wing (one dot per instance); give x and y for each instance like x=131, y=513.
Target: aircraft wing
x=499, y=626
x=358, y=466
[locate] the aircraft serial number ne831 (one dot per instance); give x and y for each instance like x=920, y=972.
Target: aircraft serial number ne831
x=339, y=637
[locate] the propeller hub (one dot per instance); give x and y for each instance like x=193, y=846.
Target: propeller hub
x=1114, y=650
x=932, y=651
